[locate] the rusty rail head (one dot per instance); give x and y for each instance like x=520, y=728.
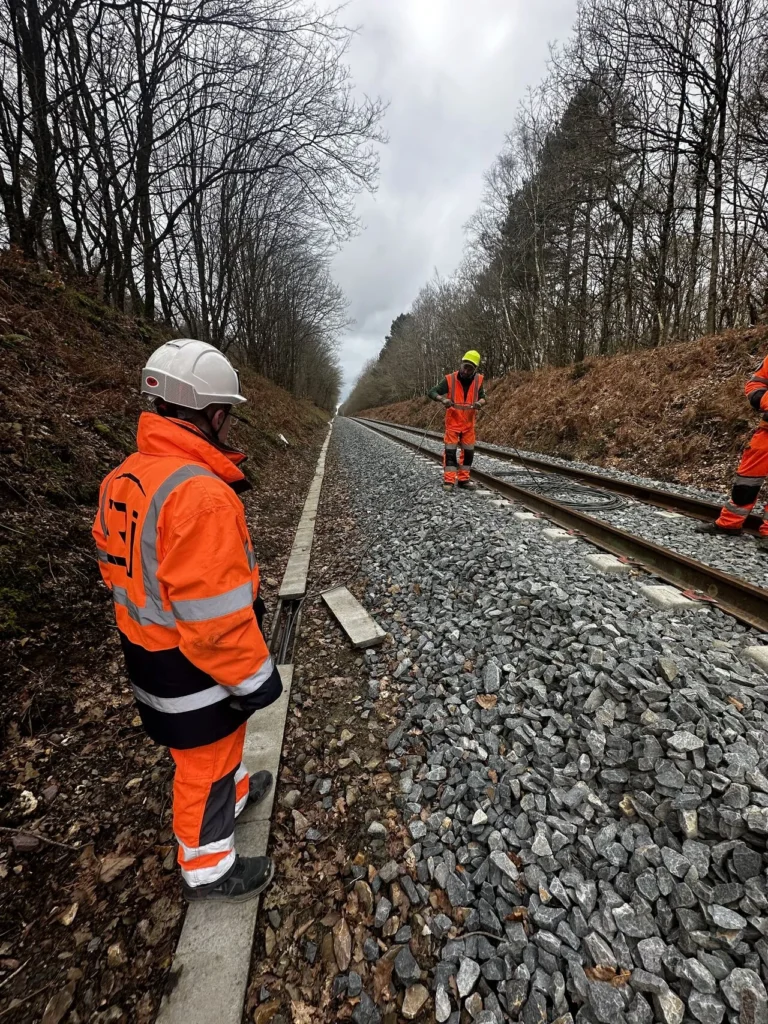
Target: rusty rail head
x=743, y=600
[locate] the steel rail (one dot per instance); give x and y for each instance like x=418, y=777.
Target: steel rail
x=742, y=600
x=699, y=508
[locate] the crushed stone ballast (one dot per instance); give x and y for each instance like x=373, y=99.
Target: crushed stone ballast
x=582, y=770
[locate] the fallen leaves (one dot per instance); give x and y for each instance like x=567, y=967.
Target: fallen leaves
x=612, y=975
x=113, y=865
x=487, y=700
x=59, y=1004
x=342, y=945
x=736, y=703
x=382, y=980
x=266, y=1011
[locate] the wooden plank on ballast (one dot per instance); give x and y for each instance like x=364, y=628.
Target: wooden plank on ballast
x=361, y=629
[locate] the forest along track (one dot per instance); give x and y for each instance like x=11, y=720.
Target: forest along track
x=745, y=601
x=670, y=501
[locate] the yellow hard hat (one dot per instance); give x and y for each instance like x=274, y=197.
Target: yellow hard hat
x=471, y=357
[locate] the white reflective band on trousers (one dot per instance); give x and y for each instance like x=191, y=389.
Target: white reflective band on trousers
x=240, y=774
x=204, y=876
x=204, y=698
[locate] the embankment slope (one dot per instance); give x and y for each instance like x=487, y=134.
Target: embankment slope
x=677, y=413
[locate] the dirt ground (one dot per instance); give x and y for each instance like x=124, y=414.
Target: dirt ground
x=677, y=413
x=90, y=902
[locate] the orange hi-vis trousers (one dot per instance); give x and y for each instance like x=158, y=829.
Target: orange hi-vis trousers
x=749, y=478
x=210, y=789
x=459, y=452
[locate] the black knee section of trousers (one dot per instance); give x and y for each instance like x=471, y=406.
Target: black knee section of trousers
x=745, y=494
x=469, y=457
x=450, y=459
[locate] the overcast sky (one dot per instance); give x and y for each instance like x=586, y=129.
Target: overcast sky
x=453, y=72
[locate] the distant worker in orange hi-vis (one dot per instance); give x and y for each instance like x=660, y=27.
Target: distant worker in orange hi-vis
x=462, y=393
x=175, y=552
x=753, y=468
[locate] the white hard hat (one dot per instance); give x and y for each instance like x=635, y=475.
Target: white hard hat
x=191, y=374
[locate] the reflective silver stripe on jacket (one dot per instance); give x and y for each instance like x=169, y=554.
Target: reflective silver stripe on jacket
x=255, y=681
x=178, y=705
x=149, y=615
x=203, y=608
x=758, y=380
x=148, y=546
x=102, y=555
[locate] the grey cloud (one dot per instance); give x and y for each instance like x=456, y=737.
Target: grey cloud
x=453, y=72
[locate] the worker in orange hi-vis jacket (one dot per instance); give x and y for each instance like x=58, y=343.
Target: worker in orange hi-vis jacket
x=175, y=552
x=753, y=467
x=462, y=393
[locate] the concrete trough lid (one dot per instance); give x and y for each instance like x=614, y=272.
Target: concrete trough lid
x=362, y=630
x=294, y=583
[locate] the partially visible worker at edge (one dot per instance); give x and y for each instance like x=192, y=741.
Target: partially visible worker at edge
x=462, y=393
x=753, y=467
x=175, y=551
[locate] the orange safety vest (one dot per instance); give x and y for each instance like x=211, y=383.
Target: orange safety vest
x=461, y=415
x=175, y=551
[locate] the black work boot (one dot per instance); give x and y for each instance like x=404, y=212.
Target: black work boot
x=259, y=785
x=249, y=877
x=713, y=530
x=467, y=485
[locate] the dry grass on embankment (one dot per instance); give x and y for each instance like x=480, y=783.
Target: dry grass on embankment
x=91, y=905
x=677, y=413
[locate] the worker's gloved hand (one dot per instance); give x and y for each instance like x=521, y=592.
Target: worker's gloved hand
x=259, y=609
x=447, y=403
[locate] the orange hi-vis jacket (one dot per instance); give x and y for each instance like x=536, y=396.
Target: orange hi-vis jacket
x=756, y=389
x=461, y=416
x=174, y=549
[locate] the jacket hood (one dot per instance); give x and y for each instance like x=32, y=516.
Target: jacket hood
x=165, y=436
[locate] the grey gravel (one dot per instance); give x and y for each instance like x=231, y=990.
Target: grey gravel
x=616, y=791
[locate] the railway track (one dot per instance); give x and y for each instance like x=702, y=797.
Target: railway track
x=737, y=597
x=669, y=501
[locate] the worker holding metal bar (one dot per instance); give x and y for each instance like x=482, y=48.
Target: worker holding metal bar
x=175, y=552
x=462, y=393
x=753, y=467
